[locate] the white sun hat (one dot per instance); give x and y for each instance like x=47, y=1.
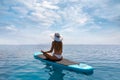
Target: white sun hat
x=57, y=37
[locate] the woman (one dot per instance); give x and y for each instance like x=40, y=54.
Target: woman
x=56, y=47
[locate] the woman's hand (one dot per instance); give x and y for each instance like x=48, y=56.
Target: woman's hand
x=42, y=51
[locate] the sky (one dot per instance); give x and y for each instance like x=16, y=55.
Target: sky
x=78, y=21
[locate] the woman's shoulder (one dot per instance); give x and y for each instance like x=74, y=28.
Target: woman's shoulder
x=56, y=41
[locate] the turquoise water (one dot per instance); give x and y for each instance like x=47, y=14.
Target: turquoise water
x=17, y=63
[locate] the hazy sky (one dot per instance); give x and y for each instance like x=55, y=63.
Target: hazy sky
x=79, y=21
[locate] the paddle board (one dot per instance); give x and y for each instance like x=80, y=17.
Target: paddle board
x=66, y=64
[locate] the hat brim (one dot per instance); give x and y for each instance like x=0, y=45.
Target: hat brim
x=56, y=38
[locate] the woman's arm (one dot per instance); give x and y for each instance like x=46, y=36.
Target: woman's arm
x=51, y=50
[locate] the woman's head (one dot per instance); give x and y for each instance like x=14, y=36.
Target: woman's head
x=57, y=37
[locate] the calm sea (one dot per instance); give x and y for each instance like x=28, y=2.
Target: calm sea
x=17, y=62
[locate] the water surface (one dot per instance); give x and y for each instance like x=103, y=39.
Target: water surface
x=17, y=62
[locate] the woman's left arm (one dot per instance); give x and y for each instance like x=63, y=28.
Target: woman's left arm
x=51, y=50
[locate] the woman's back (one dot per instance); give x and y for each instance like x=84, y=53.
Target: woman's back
x=57, y=47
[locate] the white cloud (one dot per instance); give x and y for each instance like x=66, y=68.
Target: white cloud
x=49, y=5
x=103, y=8
x=68, y=29
x=11, y=28
x=8, y=29
x=20, y=10
x=37, y=18
x=82, y=21
x=42, y=13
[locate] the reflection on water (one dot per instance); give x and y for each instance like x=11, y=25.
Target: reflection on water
x=55, y=72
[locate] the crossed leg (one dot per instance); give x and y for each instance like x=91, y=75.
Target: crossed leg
x=49, y=56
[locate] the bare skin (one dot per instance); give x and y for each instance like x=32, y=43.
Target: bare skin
x=57, y=48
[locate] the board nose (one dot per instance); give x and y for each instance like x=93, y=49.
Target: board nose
x=37, y=53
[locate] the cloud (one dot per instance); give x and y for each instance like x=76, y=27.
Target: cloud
x=106, y=9
x=11, y=28
x=82, y=21
x=31, y=19
x=19, y=10
x=49, y=5
x=6, y=28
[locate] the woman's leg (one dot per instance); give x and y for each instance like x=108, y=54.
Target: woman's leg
x=49, y=56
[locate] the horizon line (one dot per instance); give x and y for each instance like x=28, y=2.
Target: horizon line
x=63, y=44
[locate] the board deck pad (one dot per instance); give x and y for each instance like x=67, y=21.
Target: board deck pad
x=63, y=61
